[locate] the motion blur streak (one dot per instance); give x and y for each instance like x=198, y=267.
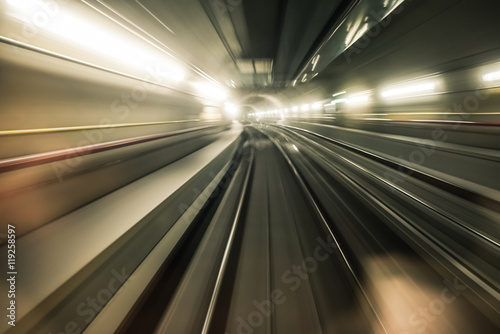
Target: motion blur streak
x=250, y=166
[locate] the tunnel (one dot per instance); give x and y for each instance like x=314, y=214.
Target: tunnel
x=250, y=166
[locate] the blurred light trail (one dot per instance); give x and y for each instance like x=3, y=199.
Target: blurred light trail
x=409, y=91
x=494, y=76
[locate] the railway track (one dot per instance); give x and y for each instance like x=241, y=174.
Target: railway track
x=301, y=242
x=295, y=233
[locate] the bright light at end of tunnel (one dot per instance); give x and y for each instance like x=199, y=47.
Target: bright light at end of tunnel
x=231, y=109
x=295, y=109
x=317, y=106
x=359, y=98
x=409, y=91
x=210, y=91
x=305, y=107
x=493, y=76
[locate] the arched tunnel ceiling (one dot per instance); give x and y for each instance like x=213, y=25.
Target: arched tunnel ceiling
x=247, y=44
x=295, y=50
x=262, y=101
x=269, y=39
x=272, y=43
x=412, y=42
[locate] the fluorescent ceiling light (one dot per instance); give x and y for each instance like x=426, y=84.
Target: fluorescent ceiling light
x=493, y=76
x=317, y=106
x=409, y=91
x=96, y=39
x=210, y=91
x=358, y=98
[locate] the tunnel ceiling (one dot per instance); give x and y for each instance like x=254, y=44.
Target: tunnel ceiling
x=273, y=37
x=243, y=44
x=254, y=46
